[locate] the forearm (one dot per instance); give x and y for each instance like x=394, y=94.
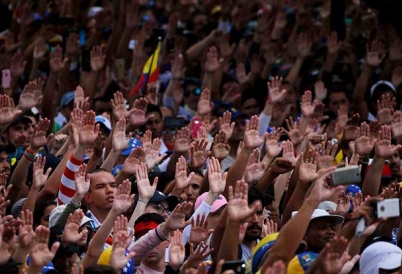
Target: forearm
x=110, y=160
x=122, y=49
x=237, y=170
x=280, y=186
x=90, y=89
x=218, y=234
x=34, y=70
x=197, y=49
x=295, y=202
x=63, y=150
x=138, y=211
x=230, y=242
x=18, y=179
x=49, y=96
x=266, y=180
x=70, y=209
x=291, y=235
x=171, y=167
x=294, y=71
x=372, y=180
x=94, y=162
x=30, y=202
x=362, y=83
x=98, y=241
x=212, y=81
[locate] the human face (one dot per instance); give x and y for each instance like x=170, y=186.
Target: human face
x=238, y=130
x=83, y=240
x=395, y=164
x=64, y=263
x=18, y=132
x=254, y=228
x=101, y=107
x=45, y=218
x=102, y=190
x=157, y=208
x=193, y=189
x=213, y=218
x=321, y=231
x=4, y=165
x=251, y=107
x=156, y=255
x=336, y=100
x=190, y=97
x=155, y=124
x=199, y=22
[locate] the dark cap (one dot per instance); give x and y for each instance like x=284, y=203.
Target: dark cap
x=51, y=162
x=159, y=197
x=238, y=114
x=21, y=118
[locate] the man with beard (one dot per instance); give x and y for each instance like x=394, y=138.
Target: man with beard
x=254, y=228
x=395, y=165
x=5, y=150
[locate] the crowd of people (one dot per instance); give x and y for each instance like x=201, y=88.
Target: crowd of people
x=200, y=136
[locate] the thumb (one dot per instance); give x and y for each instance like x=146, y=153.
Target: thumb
x=54, y=248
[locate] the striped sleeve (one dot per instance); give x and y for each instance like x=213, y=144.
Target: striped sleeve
x=67, y=184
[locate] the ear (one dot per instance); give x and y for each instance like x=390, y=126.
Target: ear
x=88, y=197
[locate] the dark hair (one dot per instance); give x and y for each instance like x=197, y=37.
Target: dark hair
x=98, y=170
x=254, y=194
x=150, y=217
x=39, y=211
x=153, y=108
x=99, y=269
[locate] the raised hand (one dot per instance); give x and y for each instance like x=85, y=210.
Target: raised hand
x=268, y=227
x=217, y=180
x=82, y=181
x=88, y=131
x=251, y=137
x=303, y=45
x=333, y=45
x=326, y=159
x=395, y=50
x=276, y=95
x=320, y=91
x=204, y=104
x=307, y=105
x=320, y=190
x=288, y=153
x=199, y=229
x=177, y=250
x=133, y=161
x=26, y=232
x=40, y=49
x=28, y=98
x=343, y=204
x=295, y=136
x=98, y=146
x=220, y=148
x=397, y=76
x=119, y=257
x=342, y=118
x=241, y=75
x=119, y=106
x=56, y=61
x=177, y=220
x=197, y=154
x=396, y=126
x=385, y=109
x=254, y=169
x=226, y=50
x=38, y=177
x=383, y=147
x=72, y=45
x=120, y=141
x=146, y=141
x=71, y=232
x=375, y=53
x=39, y=252
x=308, y=166
x=97, y=58
x=350, y=130
x=38, y=138
x=17, y=65
x=225, y=124
x=364, y=144
x=238, y=208
x=152, y=157
x=213, y=62
x=79, y=100
x=272, y=147
x=181, y=178
x=145, y=189
x=177, y=67
x=123, y=200
x=8, y=111
x=137, y=113
x=181, y=143
x=335, y=255
x=281, y=166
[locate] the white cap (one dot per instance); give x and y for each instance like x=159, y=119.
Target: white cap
x=328, y=206
x=56, y=212
x=93, y=11
x=104, y=121
x=378, y=255
x=321, y=213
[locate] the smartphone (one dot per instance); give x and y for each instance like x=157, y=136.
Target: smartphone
x=196, y=123
x=172, y=122
x=388, y=208
x=239, y=267
x=119, y=66
x=82, y=37
x=349, y=175
x=6, y=79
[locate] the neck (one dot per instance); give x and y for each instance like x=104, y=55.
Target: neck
x=250, y=244
x=234, y=145
x=159, y=266
x=100, y=214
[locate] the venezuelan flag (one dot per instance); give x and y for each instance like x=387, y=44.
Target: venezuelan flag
x=150, y=72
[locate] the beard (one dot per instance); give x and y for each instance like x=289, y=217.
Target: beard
x=252, y=236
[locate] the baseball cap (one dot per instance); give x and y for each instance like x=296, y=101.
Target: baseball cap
x=381, y=86
x=327, y=206
x=301, y=262
x=158, y=197
x=378, y=255
x=238, y=114
x=21, y=118
x=51, y=162
x=321, y=214
x=56, y=212
x=17, y=207
x=220, y=107
x=103, y=122
x=132, y=144
x=104, y=259
x=67, y=98
x=218, y=203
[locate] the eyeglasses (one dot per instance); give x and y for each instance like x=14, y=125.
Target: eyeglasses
x=160, y=208
x=188, y=92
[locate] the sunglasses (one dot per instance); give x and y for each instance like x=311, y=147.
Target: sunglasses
x=188, y=92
